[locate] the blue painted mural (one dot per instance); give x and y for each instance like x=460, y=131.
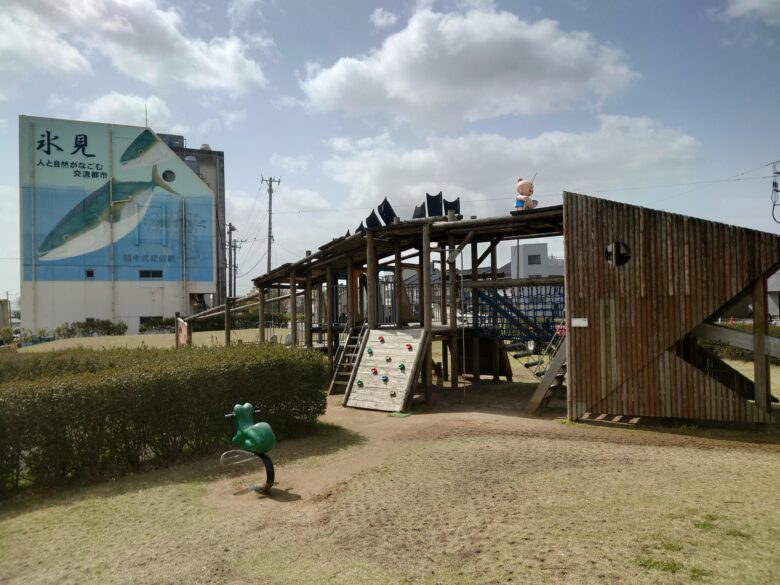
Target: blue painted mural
x=107, y=202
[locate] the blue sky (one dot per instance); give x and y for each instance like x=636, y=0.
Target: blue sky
x=667, y=104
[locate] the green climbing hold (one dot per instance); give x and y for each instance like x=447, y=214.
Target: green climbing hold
x=258, y=438
x=370, y=351
x=401, y=366
x=360, y=383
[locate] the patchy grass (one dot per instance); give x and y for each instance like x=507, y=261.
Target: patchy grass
x=648, y=562
x=449, y=497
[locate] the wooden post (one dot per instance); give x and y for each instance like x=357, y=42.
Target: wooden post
x=320, y=312
x=293, y=309
x=261, y=314
x=307, y=320
x=475, y=312
x=228, y=304
x=493, y=276
x=176, y=329
x=371, y=280
x=351, y=291
x=453, y=298
x=329, y=313
x=761, y=359
x=443, y=287
x=427, y=290
x=399, y=285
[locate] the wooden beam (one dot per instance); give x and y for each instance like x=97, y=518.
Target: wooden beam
x=475, y=365
x=307, y=317
x=453, y=301
x=228, y=305
x=443, y=292
x=513, y=282
x=371, y=280
x=351, y=290
x=760, y=359
x=737, y=337
x=293, y=309
x=463, y=243
x=493, y=273
x=261, y=315
x=427, y=290
x=329, y=314
x=490, y=248
x=398, y=288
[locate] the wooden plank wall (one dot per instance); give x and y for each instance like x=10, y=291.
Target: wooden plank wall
x=681, y=271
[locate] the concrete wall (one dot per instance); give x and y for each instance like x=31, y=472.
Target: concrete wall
x=55, y=303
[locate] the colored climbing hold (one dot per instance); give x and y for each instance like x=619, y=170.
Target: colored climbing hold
x=381, y=339
x=392, y=393
x=370, y=351
x=409, y=346
x=360, y=383
x=388, y=359
x=373, y=371
x=401, y=366
x=385, y=378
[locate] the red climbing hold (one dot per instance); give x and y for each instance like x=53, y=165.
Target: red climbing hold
x=373, y=371
x=409, y=346
x=381, y=339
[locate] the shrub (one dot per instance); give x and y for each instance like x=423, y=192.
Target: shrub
x=90, y=328
x=152, y=405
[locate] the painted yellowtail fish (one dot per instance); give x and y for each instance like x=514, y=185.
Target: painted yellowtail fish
x=88, y=226
x=146, y=150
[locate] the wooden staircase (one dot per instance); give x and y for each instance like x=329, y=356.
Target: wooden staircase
x=551, y=368
x=348, y=357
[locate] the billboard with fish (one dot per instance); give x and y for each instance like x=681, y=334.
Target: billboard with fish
x=107, y=202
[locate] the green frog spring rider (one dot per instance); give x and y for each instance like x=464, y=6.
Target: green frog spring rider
x=254, y=440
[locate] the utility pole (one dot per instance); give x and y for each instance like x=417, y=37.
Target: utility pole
x=236, y=248
x=231, y=229
x=270, y=181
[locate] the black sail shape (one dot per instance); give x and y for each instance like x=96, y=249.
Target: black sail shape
x=386, y=212
x=434, y=205
x=372, y=221
x=419, y=211
x=452, y=205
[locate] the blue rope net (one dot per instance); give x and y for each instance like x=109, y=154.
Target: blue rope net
x=521, y=314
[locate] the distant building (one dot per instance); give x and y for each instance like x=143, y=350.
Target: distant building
x=209, y=165
x=114, y=225
x=533, y=261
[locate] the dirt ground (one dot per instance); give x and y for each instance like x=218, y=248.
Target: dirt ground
x=462, y=491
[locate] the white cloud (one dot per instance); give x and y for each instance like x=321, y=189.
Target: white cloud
x=291, y=164
x=622, y=151
x=766, y=11
x=142, y=39
x=467, y=66
x=119, y=108
x=233, y=117
x=9, y=238
x=382, y=18
x=239, y=11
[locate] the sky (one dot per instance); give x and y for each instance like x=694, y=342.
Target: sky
x=665, y=104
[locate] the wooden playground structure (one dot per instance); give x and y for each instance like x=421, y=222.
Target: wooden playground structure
x=640, y=287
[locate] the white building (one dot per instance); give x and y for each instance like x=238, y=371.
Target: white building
x=114, y=226
x=533, y=261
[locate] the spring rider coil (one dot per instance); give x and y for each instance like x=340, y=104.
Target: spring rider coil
x=254, y=440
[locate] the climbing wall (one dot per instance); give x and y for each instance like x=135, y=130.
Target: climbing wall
x=386, y=370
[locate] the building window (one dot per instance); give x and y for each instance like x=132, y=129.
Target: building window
x=89, y=273
x=534, y=258
x=150, y=274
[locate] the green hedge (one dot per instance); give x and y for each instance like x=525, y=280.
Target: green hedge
x=153, y=405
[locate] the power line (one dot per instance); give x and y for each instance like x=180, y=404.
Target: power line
x=270, y=181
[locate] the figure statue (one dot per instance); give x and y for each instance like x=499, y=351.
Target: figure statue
x=525, y=190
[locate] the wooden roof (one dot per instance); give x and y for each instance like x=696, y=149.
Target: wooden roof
x=535, y=223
